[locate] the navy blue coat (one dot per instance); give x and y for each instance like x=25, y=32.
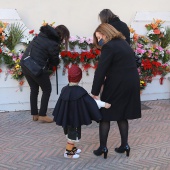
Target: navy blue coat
x=75, y=107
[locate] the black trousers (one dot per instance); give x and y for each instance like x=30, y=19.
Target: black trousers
x=43, y=81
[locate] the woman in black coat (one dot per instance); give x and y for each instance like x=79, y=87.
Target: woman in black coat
x=44, y=49
x=118, y=72
x=107, y=16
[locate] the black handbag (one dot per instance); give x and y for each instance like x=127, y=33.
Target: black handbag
x=29, y=63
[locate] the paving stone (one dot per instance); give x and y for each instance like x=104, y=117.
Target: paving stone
x=29, y=145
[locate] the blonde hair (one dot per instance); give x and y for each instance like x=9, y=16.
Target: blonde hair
x=109, y=31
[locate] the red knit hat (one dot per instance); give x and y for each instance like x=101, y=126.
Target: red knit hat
x=74, y=74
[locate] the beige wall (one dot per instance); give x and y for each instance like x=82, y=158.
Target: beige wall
x=80, y=16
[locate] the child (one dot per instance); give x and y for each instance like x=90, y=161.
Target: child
x=74, y=108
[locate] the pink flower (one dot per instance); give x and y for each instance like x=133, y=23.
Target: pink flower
x=10, y=54
x=168, y=51
x=160, y=48
x=11, y=71
x=14, y=58
x=165, y=65
x=81, y=40
x=20, y=56
x=139, y=45
x=139, y=71
x=72, y=39
x=141, y=51
x=149, y=51
x=149, y=55
x=89, y=40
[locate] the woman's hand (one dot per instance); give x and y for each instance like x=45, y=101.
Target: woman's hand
x=95, y=97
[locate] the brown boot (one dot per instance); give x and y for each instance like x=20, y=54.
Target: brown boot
x=45, y=119
x=35, y=117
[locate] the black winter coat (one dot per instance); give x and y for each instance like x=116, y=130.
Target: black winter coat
x=121, y=27
x=122, y=85
x=45, y=47
x=75, y=107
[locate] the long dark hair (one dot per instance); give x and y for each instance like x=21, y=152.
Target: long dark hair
x=106, y=15
x=64, y=34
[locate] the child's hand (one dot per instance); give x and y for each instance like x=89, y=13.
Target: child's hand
x=107, y=105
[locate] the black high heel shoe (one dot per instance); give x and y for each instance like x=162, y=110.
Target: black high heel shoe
x=123, y=149
x=101, y=151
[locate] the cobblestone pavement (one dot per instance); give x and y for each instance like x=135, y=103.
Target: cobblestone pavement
x=28, y=145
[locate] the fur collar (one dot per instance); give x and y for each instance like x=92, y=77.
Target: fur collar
x=50, y=32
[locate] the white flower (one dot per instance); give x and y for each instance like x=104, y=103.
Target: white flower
x=5, y=49
x=6, y=32
x=161, y=53
x=162, y=30
x=150, y=32
x=131, y=35
x=27, y=38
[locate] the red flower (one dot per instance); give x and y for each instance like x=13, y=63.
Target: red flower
x=0, y=50
x=21, y=83
x=146, y=64
x=63, y=53
x=0, y=70
x=156, y=31
x=31, y=32
x=155, y=63
x=54, y=68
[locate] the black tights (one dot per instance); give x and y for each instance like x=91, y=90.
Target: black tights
x=123, y=128
x=104, y=127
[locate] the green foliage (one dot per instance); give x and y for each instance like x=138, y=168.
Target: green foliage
x=165, y=41
x=8, y=61
x=16, y=31
x=166, y=58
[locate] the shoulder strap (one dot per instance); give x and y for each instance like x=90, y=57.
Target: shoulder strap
x=31, y=46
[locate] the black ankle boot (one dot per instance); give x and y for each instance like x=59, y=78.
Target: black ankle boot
x=123, y=149
x=101, y=151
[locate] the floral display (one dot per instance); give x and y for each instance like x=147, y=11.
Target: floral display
x=28, y=37
x=69, y=57
x=2, y=39
x=142, y=84
x=153, y=49
x=11, y=36
x=155, y=30
x=88, y=59
x=83, y=43
x=149, y=48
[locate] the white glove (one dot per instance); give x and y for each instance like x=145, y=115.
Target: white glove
x=100, y=103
